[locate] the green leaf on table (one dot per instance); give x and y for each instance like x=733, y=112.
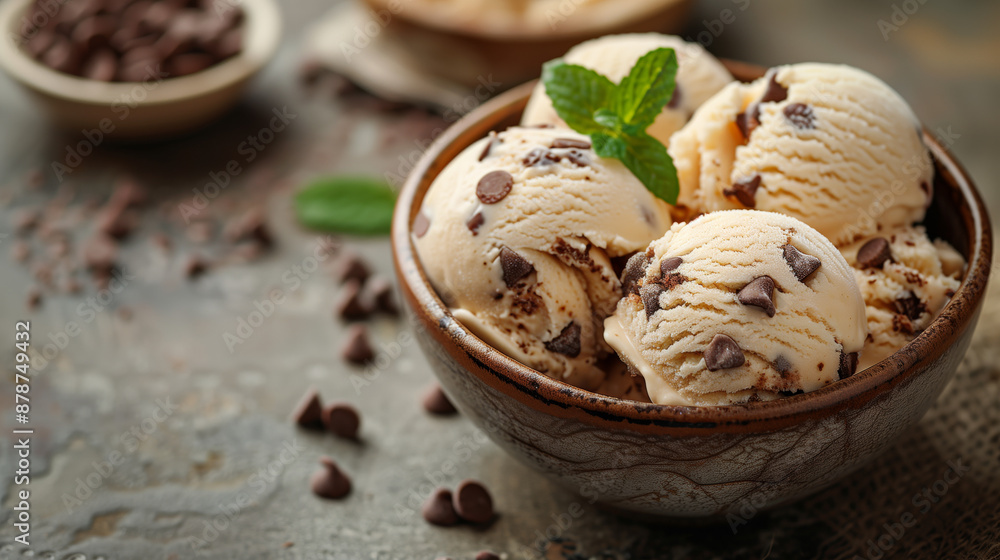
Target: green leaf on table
x=648, y=87
x=354, y=205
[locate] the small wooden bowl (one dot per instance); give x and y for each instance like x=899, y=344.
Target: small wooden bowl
x=141, y=110
x=680, y=463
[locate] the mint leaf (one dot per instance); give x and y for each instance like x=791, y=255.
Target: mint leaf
x=356, y=205
x=577, y=93
x=647, y=88
x=649, y=161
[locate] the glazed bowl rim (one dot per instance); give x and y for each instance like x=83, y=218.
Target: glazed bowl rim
x=516, y=378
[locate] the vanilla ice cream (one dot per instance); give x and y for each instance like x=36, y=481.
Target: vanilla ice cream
x=517, y=235
x=830, y=145
x=905, y=280
x=738, y=306
x=699, y=76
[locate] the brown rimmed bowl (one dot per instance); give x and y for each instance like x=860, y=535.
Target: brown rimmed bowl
x=680, y=463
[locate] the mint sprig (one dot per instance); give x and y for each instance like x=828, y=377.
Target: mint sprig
x=355, y=205
x=616, y=116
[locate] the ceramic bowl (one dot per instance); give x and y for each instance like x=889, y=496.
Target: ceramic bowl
x=679, y=463
x=141, y=110
x=459, y=49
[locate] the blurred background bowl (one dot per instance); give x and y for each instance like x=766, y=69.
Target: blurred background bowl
x=141, y=110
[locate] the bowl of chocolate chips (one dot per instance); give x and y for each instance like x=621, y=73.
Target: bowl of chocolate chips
x=128, y=70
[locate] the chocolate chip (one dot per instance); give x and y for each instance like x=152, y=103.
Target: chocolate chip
x=650, y=294
x=188, y=63
x=195, y=266
x=421, y=224
x=910, y=306
x=514, y=266
x=308, y=413
x=782, y=365
x=356, y=348
x=350, y=305
x=251, y=226
x=494, y=186
x=874, y=253
x=723, y=353
x=102, y=66
x=669, y=265
x=342, y=420
x=100, y=253
x=675, y=98
x=748, y=120
x=351, y=267
x=745, y=191
x=848, y=364
x=26, y=220
x=560, y=143
x=117, y=222
x=635, y=269
x=800, y=115
x=489, y=146
x=33, y=299
x=487, y=555
x=566, y=342
x=759, y=293
x=802, y=265
x=473, y=502
x=438, y=509
x=381, y=296
x=330, y=482
x=436, y=402
x=539, y=157
x=577, y=158
x=475, y=222
x=926, y=187
x=774, y=91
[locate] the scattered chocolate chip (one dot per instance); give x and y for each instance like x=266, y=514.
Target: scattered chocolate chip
x=566, y=342
x=33, y=300
x=759, y=293
x=350, y=305
x=475, y=222
x=723, y=353
x=26, y=220
x=911, y=306
x=672, y=280
x=494, y=186
x=356, y=348
x=100, y=253
x=874, y=253
x=251, y=226
x=745, y=191
x=675, y=99
x=487, y=555
x=420, y=225
x=330, y=482
x=774, y=91
x=782, y=365
x=195, y=266
x=539, y=157
x=848, y=364
x=342, y=420
x=748, y=120
x=473, y=502
x=560, y=143
x=381, y=296
x=438, y=509
x=102, y=66
x=800, y=115
x=802, y=265
x=514, y=266
x=669, y=265
x=117, y=221
x=925, y=186
x=308, y=413
x=577, y=158
x=489, y=146
x=351, y=267
x=650, y=294
x=436, y=402
x=635, y=269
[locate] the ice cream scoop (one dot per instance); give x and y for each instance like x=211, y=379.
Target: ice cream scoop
x=827, y=144
x=905, y=280
x=738, y=306
x=517, y=235
x=699, y=76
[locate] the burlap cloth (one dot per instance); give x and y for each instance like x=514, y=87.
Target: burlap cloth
x=942, y=479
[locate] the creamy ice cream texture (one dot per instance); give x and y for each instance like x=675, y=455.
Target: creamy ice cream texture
x=738, y=306
x=517, y=235
x=699, y=76
x=830, y=145
x=905, y=280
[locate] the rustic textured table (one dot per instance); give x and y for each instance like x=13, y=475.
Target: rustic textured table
x=155, y=438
